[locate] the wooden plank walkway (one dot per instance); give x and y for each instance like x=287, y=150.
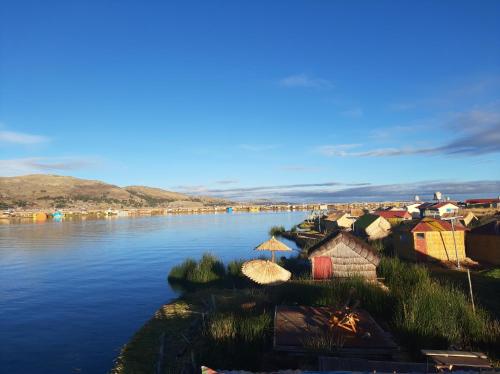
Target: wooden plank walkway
x=296, y=326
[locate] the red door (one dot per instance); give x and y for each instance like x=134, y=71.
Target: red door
x=322, y=267
x=420, y=246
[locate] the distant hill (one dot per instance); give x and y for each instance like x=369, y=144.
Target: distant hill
x=54, y=191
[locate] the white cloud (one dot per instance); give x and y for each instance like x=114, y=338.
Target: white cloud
x=227, y=181
x=473, y=133
x=21, y=138
x=305, y=81
x=336, y=150
x=32, y=165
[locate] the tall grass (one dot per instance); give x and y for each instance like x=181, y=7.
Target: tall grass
x=276, y=230
x=236, y=339
x=208, y=269
x=243, y=327
x=207, y=272
x=234, y=268
x=431, y=314
x=334, y=293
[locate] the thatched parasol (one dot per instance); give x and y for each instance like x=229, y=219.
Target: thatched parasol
x=265, y=272
x=272, y=245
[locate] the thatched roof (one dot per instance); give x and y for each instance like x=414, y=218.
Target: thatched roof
x=359, y=246
x=272, y=244
x=428, y=224
x=365, y=220
x=265, y=272
x=334, y=216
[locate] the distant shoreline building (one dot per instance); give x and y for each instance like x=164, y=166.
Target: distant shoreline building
x=394, y=217
x=483, y=203
x=438, y=210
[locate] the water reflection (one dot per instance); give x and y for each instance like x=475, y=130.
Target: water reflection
x=72, y=292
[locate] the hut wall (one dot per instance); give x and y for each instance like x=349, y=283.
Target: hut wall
x=345, y=221
x=484, y=248
x=404, y=245
x=441, y=246
x=347, y=263
x=329, y=225
x=378, y=229
x=394, y=221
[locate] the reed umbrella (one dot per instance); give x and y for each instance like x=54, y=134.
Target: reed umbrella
x=273, y=245
x=265, y=272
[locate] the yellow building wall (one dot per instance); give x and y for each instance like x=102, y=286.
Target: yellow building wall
x=441, y=246
x=394, y=221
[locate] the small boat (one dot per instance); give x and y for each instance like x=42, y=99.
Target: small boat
x=57, y=216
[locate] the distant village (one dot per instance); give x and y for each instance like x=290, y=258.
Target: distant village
x=453, y=233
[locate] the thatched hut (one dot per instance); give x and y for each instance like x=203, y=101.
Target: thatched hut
x=483, y=243
x=341, y=254
x=338, y=220
x=372, y=227
x=469, y=220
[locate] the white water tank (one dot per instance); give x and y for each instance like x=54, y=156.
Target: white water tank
x=438, y=195
x=417, y=198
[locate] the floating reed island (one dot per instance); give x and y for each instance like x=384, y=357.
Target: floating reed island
x=228, y=316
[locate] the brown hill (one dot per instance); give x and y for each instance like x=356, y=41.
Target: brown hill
x=45, y=191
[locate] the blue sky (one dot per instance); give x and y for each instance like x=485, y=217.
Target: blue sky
x=290, y=100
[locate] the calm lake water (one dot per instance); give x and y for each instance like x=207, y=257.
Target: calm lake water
x=72, y=293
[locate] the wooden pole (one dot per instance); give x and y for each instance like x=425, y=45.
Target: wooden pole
x=454, y=241
x=470, y=289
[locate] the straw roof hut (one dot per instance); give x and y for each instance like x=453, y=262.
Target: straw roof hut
x=273, y=245
x=338, y=220
x=469, y=219
x=265, y=272
x=372, y=226
x=483, y=243
x=341, y=254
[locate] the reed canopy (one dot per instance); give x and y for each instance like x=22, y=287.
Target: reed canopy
x=265, y=272
x=273, y=245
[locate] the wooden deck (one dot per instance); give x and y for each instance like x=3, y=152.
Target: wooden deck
x=296, y=326
x=461, y=359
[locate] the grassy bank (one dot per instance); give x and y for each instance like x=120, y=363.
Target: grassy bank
x=485, y=286
x=435, y=314
x=233, y=318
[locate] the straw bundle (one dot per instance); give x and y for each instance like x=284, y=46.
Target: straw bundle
x=273, y=245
